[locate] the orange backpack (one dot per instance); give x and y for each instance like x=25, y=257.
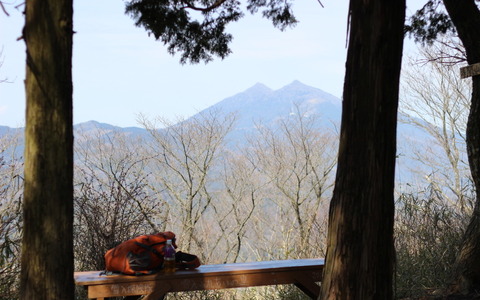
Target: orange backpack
x=144, y=255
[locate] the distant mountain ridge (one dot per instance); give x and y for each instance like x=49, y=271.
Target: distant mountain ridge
x=262, y=104
x=257, y=103
x=93, y=126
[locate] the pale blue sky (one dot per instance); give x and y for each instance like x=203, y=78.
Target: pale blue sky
x=119, y=71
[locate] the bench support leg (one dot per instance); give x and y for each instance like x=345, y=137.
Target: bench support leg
x=158, y=294
x=307, y=286
x=155, y=296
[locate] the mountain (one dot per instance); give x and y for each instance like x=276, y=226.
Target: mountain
x=94, y=127
x=8, y=130
x=258, y=103
x=262, y=104
x=83, y=132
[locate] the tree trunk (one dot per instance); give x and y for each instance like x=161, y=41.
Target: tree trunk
x=360, y=250
x=47, y=247
x=465, y=16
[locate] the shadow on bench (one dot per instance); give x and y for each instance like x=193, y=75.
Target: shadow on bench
x=303, y=273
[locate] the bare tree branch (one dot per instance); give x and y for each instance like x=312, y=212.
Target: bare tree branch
x=3, y=8
x=203, y=9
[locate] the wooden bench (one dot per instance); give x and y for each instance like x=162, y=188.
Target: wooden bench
x=304, y=273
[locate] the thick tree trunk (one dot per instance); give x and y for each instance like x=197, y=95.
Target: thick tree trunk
x=360, y=250
x=47, y=247
x=466, y=17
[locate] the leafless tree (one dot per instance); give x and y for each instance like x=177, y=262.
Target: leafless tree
x=236, y=213
x=435, y=100
x=185, y=156
x=11, y=184
x=3, y=79
x=296, y=159
x=113, y=201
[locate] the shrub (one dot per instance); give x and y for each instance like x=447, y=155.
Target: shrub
x=428, y=233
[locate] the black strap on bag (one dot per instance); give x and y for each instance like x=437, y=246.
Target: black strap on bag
x=186, y=261
x=182, y=260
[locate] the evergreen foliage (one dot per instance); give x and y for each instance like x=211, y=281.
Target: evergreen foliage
x=428, y=22
x=197, y=28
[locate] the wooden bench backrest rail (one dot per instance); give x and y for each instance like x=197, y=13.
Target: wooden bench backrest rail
x=304, y=273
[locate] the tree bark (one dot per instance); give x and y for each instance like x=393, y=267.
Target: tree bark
x=465, y=16
x=47, y=247
x=360, y=250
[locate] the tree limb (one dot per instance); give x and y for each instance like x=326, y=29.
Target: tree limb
x=203, y=9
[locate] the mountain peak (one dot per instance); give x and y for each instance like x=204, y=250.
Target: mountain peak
x=296, y=85
x=258, y=88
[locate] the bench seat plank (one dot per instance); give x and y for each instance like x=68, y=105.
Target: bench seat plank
x=304, y=273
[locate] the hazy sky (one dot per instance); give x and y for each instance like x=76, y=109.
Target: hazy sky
x=119, y=71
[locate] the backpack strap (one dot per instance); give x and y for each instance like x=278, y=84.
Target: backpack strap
x=186, y=261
